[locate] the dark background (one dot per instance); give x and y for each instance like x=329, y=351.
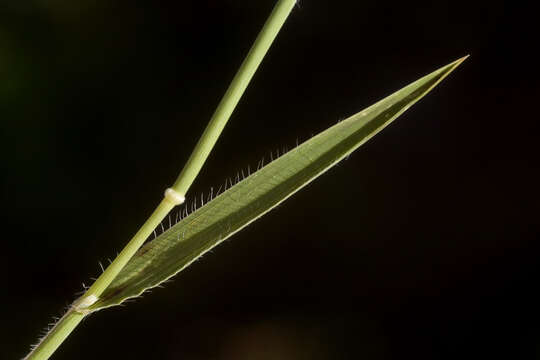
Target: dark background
x=422, y=245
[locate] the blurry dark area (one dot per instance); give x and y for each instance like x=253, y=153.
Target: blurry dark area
x=422, y=245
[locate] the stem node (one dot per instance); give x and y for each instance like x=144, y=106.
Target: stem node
x=174, y=197
x=82, y=304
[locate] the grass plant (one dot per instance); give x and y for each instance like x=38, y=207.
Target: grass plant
x=138, y=268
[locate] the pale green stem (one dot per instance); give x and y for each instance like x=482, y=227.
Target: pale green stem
x=231, y=98
x=77, y=312
x=56, y=335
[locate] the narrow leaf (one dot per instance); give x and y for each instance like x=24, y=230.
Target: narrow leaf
x=257, y=194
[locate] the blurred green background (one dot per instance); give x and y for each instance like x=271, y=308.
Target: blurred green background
x=422, y=245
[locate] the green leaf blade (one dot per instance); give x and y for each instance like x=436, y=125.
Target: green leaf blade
x=259, y=193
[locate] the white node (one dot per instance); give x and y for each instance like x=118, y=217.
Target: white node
x=175, y=197
x=87, y=301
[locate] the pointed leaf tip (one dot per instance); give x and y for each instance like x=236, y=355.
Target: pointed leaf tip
x=458, y=62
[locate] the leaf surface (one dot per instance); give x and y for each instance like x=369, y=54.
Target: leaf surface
x=258, y=193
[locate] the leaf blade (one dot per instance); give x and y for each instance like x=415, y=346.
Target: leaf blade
x=259, y=193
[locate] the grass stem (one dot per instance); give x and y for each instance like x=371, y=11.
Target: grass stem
x=76, y=313
x=233, y=94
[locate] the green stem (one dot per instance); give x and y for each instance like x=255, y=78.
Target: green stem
x=56, y=335
x=134, y=244
x=77, y=312
x=231, y=98
x=72, y=318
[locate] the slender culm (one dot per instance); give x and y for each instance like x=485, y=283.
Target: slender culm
x=175, y=195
